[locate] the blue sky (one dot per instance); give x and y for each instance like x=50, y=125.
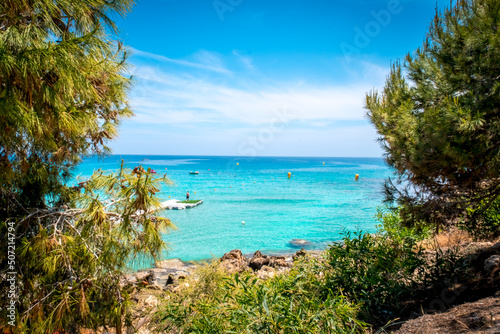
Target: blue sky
x=262, y=78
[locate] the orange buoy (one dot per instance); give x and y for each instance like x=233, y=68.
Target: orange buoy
x=356, y=177
x=289, y=174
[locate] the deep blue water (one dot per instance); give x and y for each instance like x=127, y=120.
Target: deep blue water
x=318, y=203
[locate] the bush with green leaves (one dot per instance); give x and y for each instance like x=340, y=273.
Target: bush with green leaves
x=483, y=221
x=387, y=273
x=373, y=271
x=292, y=302
x=392, y=227
x=69, y=267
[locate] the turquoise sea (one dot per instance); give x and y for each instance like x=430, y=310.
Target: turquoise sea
x=318, y=203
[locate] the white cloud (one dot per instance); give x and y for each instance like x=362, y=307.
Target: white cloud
x=205, y=60
x=188, y=107
x=162, y=95
x=245, y=60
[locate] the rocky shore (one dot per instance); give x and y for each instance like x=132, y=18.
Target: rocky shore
x=152, y=285
x=166, y=274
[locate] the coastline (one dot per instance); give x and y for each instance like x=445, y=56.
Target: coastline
x=165, y=272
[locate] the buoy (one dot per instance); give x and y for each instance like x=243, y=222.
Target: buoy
x=209, y=169
x=195, y=192
x=356, y=177
x=215, y=189
x=168, y=196
x=242, y=222
x=253, y=181
x=237, y=164
x=289, y=174
x=323, y=163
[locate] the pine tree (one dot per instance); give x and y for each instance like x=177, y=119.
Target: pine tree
x=439, y=116
x=63, y=92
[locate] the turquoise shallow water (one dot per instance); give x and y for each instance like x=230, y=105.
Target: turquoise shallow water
x=317, y=204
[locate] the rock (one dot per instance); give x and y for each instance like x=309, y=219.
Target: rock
x=154, y=286
x=234, y=266
x=234, y=262
x=258, y=260
x=170, y=264
x=300, y=253
x=492, y=263
x=141, y=275
x=151, y=301
x=278, y=261
x=266, y=272
x=299, y=242
x=150, y=278
x=258, y=263
x=128, y=279
x=235, y=254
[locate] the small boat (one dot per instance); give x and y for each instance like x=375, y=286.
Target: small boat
x=194, y=172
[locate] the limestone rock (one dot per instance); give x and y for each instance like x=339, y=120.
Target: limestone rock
x=299, y=242
x=170, y=264
x=277, y=261
x=300, y=253
x=266, y=272
x=141, y=275
x=259, y=260
x=234, y=262
x=151, y=301
x=235, y=254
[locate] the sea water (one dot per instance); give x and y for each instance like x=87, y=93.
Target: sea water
x=318, y=203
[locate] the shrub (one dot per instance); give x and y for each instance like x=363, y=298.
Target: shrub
x=373, y=271
x=287, y=303
x=484, y=220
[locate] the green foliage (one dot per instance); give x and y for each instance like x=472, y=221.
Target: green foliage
x=364, y=279
x=374, y=271
x=486, y=221
x=387, y=273
x=70, y=269
x=287, y=303
x=193, y=201
x=62, y=94
x=391, y=227
x=438, y=116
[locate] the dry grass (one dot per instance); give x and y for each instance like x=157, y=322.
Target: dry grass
x=447, y=239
